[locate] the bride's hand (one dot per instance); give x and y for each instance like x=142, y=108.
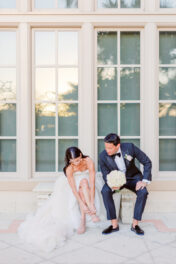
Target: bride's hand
x=92, y=208
x=85, y=208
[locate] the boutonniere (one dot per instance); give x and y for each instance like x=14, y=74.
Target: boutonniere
x=128, y=157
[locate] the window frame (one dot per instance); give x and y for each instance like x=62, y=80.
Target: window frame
x=51, y=175
x=12, y=175
x=119, y=101
x=169, y=175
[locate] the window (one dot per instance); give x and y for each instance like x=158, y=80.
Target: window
x=55, y=97
x=7, y=3
x=167, y=3
x=167, y=101
x=56, y=4
x=8, y=101
x=119, y=3
x=118, y=85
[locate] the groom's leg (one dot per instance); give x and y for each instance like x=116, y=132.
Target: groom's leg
x=109, y=202
x=140, y=200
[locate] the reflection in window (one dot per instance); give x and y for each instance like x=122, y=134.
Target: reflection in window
x=118, y=66
x=56, y=83
x=7, y=96
x=7, y=3
x=167, y=101
x=56, y=4
x=119, y=3
x=167, y=3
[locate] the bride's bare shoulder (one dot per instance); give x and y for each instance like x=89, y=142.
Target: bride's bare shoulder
x=69, y=170
x=89, y=162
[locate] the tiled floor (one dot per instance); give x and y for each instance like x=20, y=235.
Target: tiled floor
x=157, y=246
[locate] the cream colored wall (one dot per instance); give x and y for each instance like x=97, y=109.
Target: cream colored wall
x=15, y=189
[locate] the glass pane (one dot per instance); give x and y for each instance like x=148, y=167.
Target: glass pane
x=101, y=147
x=8, y=155
x=167, y=119
x=130, y=3
x=45, y=155
x=167, y=48
x=167, y=154
x=130, y=48
x=7, y=119
x=45, y=119
x=130, y=84
x=167, y=3
x=107, y=48
x=107, y=3
x=7, y=84
x=45, y=84
x=7, y=3
x=68, y=54
x=68, y=119
x=68, y=84
x=107, y=119
x=63, y=145
x=107, y=83
x=45, y=48
x=130, y=119
x=45, y=4
x=67, y=3
x=7, y=48
x=167, y=83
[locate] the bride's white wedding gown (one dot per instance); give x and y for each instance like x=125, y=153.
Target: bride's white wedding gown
x=58, y=218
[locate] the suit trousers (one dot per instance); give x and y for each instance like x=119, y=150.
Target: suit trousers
x=107, y=194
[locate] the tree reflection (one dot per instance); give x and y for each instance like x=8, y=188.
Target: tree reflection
x=167, y=3
x=167, y=83
x=167, y=119
x=7, y=90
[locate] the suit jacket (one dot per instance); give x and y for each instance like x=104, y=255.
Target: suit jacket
x=107, y=163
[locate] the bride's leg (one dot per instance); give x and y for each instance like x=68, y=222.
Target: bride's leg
x=85, y=190
x=82, y=227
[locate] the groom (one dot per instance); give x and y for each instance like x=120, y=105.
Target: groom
x=117, y=156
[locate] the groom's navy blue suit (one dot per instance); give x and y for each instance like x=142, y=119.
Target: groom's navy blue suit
x=133, y=175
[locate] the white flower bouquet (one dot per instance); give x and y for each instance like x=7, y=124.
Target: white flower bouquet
x=116, y=179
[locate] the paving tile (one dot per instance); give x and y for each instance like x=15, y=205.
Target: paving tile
x=15, y=256
x=164, y=255
x=3, y=245
x=91, y=236
x=143, y=259
x=68, y=247
x=10, y=239
x=124, y=246
x=89, y=255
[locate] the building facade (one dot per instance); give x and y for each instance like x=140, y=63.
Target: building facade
x=71, y=71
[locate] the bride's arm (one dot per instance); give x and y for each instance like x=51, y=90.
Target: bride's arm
x=91, y=169
x=71, y=181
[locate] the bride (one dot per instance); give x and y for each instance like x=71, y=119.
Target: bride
x=75, y=204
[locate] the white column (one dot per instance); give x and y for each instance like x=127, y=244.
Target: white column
x=150, y=95
x=151, y=5
x=86, y=117
x=24, y=5
x=24, y=106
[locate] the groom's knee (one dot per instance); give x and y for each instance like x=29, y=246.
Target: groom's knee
x=106, y=191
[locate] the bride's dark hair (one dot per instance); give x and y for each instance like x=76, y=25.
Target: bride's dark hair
x=72, y=153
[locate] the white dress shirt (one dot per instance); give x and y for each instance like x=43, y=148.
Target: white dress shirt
x=121, y=164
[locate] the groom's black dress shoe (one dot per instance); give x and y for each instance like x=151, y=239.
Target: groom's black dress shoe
x=110, y=229
x=137, y=230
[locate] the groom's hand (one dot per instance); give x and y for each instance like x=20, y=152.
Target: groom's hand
x=140, y=185
x=115, y=188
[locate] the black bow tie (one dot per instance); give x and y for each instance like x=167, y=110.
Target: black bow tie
x=117, y=154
